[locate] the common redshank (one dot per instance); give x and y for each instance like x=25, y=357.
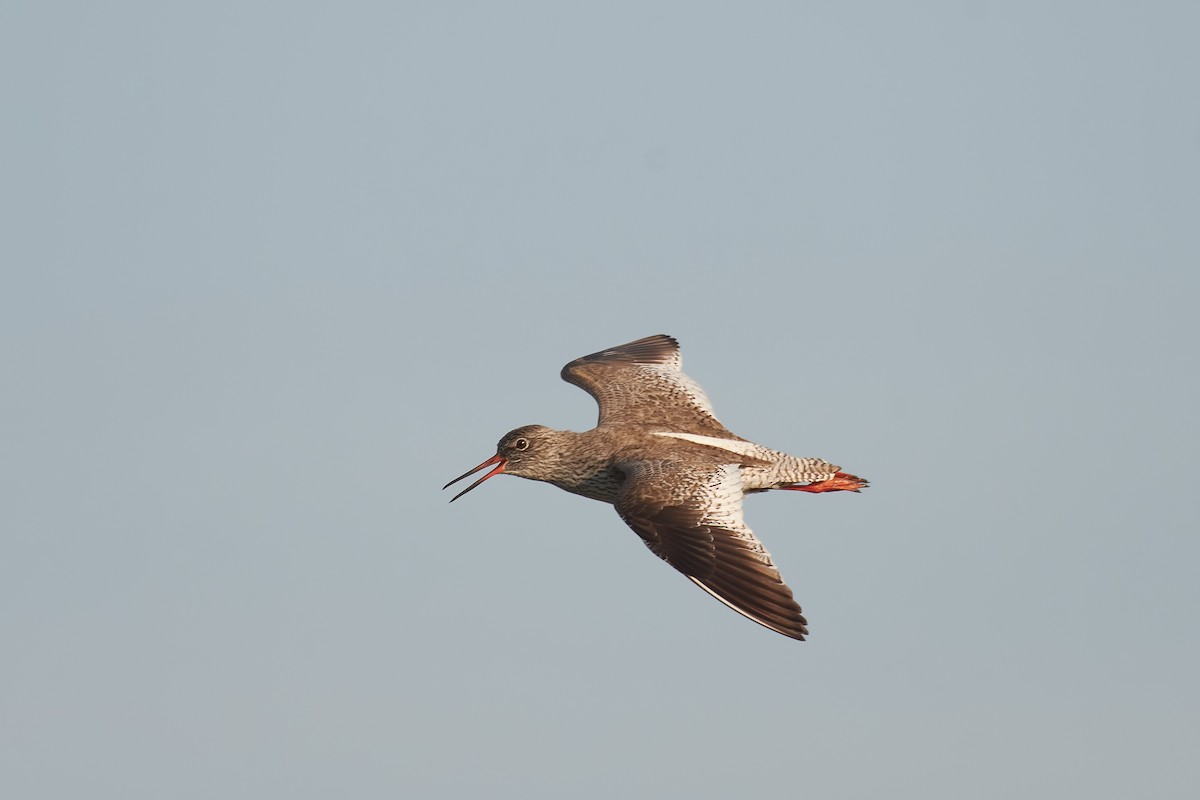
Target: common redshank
x=675, y=474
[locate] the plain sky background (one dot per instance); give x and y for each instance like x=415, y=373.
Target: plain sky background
x=274, y=272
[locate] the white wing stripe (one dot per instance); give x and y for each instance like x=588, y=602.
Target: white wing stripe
x=732, y=445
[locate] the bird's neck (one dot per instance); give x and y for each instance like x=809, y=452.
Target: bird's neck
x=585, y=466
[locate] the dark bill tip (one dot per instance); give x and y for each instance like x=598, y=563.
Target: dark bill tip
x=497, y=459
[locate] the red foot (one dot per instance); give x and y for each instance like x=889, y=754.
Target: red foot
x=840, y=482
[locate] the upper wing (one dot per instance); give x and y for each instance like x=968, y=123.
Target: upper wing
x=641, y=383
x=692, y=519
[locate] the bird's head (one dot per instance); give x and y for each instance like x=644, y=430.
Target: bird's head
x=527, y=452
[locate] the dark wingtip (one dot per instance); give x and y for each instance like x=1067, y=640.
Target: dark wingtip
x=656, y=349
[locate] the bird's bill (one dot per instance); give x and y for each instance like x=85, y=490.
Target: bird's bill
x=497, y=459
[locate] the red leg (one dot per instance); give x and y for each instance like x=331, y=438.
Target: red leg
x=840, y=482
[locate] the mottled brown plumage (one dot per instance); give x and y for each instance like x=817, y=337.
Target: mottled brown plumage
x=673, y=472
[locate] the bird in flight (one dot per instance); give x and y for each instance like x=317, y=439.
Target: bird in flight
x=673, y=472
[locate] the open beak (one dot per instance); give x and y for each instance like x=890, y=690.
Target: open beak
x=497, y=459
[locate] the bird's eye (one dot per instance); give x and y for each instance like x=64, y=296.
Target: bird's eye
x=520, y=444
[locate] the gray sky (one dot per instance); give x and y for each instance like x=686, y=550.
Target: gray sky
x=273, y=274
